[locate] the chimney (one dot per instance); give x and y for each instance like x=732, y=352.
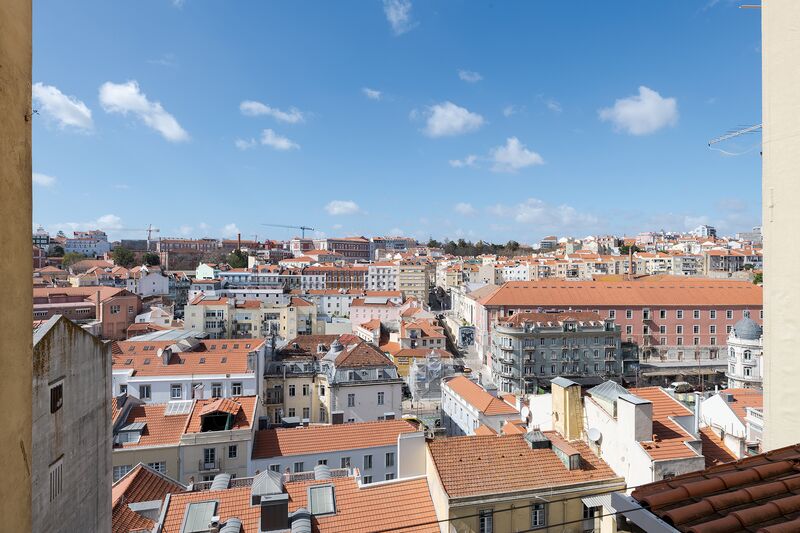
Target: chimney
x=635, y=418
x=696, y=425
x=567, y=408
x=238, y=241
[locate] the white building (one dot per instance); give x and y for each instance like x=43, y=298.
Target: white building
x=147, y=281
x=745, y=355
x=466, y=406
x=732, y=415
x=382, y=276
x=377, y=449
x=161, y=371
x=89, y=243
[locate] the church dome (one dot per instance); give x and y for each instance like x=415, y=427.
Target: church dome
x=747, y=329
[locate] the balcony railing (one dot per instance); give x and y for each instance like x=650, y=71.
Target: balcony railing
x=209, y=466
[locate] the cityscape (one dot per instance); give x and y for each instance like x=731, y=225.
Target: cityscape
x=586, y=327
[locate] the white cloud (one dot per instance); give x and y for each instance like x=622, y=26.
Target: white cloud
x=127, y=98
x=67, y=111
x=230, y=230
x=641, y=114
x=513, y=156
x=254, y=109
x=342, y=207
x=463, y=208
x=553, y=105
x=108, y=223
x=372, y=94
x=469, y=76
x=510, y=110
x=276, y=141
x=448, y=119
x=398, y=13
x=122, y=186
x=549, y=217
x=43, y=180
x=468, y=161
x=245, y=144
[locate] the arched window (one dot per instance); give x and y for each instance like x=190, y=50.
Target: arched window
x=748, y=355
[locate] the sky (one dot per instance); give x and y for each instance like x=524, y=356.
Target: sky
x=445, y=119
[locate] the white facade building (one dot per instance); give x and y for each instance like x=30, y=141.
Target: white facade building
x=382, y=276
x=466, y=406
x=745, y=355
x=147, y=281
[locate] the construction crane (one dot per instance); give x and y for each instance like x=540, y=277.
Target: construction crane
x=149, y=229
x=301, y=228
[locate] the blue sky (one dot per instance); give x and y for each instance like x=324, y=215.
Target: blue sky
x=492, y=120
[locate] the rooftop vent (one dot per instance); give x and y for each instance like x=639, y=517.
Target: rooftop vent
x=322, y=472
x=537, y=440
x=221, y=482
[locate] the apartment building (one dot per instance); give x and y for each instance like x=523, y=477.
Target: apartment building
x=383, y=308
x=147, y=281
x=161, y=371
x=732, y=414
x=350, y=248
x=89, y=243
x=745, y=355
x=679, y=324
x=530, y=348
x=375, y=448
x=108, y=311
x=420, y=333
x=70, y=463
x=382, y=276
x=352, y=277
x=730, y=261
x=188, y=440
x=414, y=279
x=466, y=406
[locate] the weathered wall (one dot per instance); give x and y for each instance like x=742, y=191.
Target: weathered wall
x=781, y=218
x=15, y=265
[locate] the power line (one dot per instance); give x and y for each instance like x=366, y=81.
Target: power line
x=435, y=522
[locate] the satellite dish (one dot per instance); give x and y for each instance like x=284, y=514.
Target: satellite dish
x=594, y=435
x=525, y=412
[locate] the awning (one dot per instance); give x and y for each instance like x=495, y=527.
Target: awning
x=599, y=500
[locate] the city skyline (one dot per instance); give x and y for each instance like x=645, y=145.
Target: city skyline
x=396, y=118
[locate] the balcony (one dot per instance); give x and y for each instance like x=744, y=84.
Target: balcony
x=209, y=466
x=274, y=397
x=506, y=348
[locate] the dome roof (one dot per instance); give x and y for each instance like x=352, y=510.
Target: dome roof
x=747, y=329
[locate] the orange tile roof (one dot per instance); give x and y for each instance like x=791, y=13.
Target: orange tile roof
x=361, y=354
x=328, y=438
x=244, y=417
x=744, y=398
x=475, y=395
x=672, y=438
x=714, y=450
x=218, y=356
x=665, y=292
x=159, y=430
x=372, y=324
x=221, y=405
x=516, y=427
x=484, y=430
x=142, y=484
x=231, y=503
x=414, y=352
x=483, y=465
x=757, y=493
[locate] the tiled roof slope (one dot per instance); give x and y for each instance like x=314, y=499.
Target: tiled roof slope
x=714, y=450
x=476, y=396
x=744, y=398
x=159, y=429
x=672, y=438
x=667, y=292
x=322, y=439
x=473, y=466
x=759, y=493
x=142, y=484
x=243, y=418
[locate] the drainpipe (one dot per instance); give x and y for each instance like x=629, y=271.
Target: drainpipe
x=696, y=427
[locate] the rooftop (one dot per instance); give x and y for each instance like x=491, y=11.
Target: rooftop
x=475, y=395
x=142, y=484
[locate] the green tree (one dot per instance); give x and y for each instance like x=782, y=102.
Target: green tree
x=758, y=278
x=433, y=243
x=237, y=259
x=71, y=258
x=625, y=248
x=56, y=251
x=152, y=259
x=512, y=245
x=123, y=257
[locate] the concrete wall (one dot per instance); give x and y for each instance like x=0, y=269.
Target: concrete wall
x=77, y=435
x=16, y=268
x=780, y=48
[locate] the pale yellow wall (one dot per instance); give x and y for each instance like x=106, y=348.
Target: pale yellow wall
x=191, y=455
x=781, y=217
x=16, y=268
x=134, y=456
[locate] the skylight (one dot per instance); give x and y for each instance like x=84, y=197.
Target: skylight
x=321, y=500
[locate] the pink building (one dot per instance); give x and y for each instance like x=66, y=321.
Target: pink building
x=374, y=307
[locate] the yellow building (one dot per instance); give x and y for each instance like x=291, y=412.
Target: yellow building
x=413, y=280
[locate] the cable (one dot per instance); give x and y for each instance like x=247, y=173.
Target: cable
x=434, y=522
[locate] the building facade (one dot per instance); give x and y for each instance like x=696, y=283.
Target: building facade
x=745, y=355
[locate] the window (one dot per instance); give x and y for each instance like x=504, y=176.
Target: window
x=380, y=397
x=697, y=341
x=209, y=457
x=679, y=329
x=679, y=341
x=389, y=459
x=612, y=313
x=114, y=309
x=713, y=341
x=696, y=314
x=747, y=371
x=160, y=466
x=306, y=389
x=56, y=396
x=236, y=389
x=729, y=314
x=298, y=466
x=367, y=462
x=275, y=468
x=485, y=521
x=144, y=392
x=216, y=390
x=712, y=314
x=662, y=313
x=538, y=515
x=367, y=479
x=679, y=314
x=628, y=330
x=123, y=389
x=292, y=390
x=695, y=329
x=175, y=392
x=748, y=355
x=120, y=471
x=233, y=451
x=322, y=462
x=628, y=313
x=57, y=478
x=712, y=329
x=345, y=462
x=321, y=500
x=322, y=390
x=351, y=400
x=306, y=412
x=389, y=476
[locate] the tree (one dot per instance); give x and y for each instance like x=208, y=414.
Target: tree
x=625, y=248
x=237, y=259
x=71, y=258
x=512, y=245
x=152, y=259
x=57, y=251
x=758, y=278
x=748, y=266
x=433, y=243
x=123, y=257
x=61, y=234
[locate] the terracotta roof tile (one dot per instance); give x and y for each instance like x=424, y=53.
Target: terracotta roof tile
x=142, y=484
x=482, y=465
x=159, y=429
x=744, y=398
x=714, y=450
x=477, y=396
x=218, y=356
x=242, y=419
x=328, y=438
x=672, y=438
